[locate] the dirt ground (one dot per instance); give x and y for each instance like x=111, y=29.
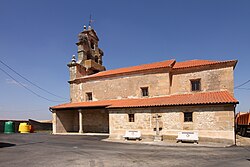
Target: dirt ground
x=243, y=141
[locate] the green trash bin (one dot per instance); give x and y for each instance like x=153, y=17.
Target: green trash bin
x=9, y=127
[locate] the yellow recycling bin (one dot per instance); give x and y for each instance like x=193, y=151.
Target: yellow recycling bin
x=24, y=128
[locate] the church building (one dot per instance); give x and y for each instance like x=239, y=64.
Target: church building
x=190, y=96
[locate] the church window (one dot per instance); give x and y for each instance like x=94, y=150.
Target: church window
x=89, y=96
x=96, y=59
x=88, y=56
x=196, y=85
x=188, y=116
x=131, y=117
x=144, y=91
x=92, y=45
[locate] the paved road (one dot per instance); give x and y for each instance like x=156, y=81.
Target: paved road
x=41, y=149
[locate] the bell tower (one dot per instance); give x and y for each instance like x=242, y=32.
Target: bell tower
x=89, y=59
x=89, y=54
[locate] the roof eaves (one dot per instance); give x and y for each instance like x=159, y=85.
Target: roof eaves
x=208, y=64
x=163, y=105
x=222, y=97
x=80, y=107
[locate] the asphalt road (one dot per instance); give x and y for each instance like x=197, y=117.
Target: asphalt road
x=41, y=149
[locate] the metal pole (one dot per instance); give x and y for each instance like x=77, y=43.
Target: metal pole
x=235, y=142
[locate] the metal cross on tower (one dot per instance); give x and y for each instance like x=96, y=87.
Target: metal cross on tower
x=90, y=20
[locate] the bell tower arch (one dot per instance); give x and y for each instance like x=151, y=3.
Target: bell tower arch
x=89, y=53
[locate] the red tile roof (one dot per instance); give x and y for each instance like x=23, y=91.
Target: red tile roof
x=222, y=97
x=196, y=63
x=158, y=65
x=87, y=104
x=143, y=67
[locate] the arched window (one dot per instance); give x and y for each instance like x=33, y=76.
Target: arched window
x=96, y=59
x=88, y=56
x=92, y=45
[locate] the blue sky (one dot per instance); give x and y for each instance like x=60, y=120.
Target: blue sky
x=37, y=39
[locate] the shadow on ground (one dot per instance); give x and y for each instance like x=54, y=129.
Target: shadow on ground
x=2, y=145
x=247, y=135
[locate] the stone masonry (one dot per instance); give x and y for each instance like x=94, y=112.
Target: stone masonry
x=214, y=123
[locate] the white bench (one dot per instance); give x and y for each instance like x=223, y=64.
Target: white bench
x=132, y=134
x=188, y=136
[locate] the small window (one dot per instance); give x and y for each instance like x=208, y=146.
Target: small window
x=89, y=96
x=188, y=117
x=144, y=91
x=89, y=56
x=196, y=85
x=131, y=117
x=92, y=45
x=96, y=59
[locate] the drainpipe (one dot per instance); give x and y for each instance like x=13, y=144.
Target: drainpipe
x=235, y=143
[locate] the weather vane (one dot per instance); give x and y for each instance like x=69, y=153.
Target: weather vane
x=90, y=21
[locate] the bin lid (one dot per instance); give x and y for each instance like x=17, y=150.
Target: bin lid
x=23, y=123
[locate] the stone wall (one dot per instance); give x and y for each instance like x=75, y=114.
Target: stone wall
x=118, y=121
x=214, y=122
x=67, y=121
x=95, y=121
x=40, y=126
x=122, y=87
x=211, y=80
